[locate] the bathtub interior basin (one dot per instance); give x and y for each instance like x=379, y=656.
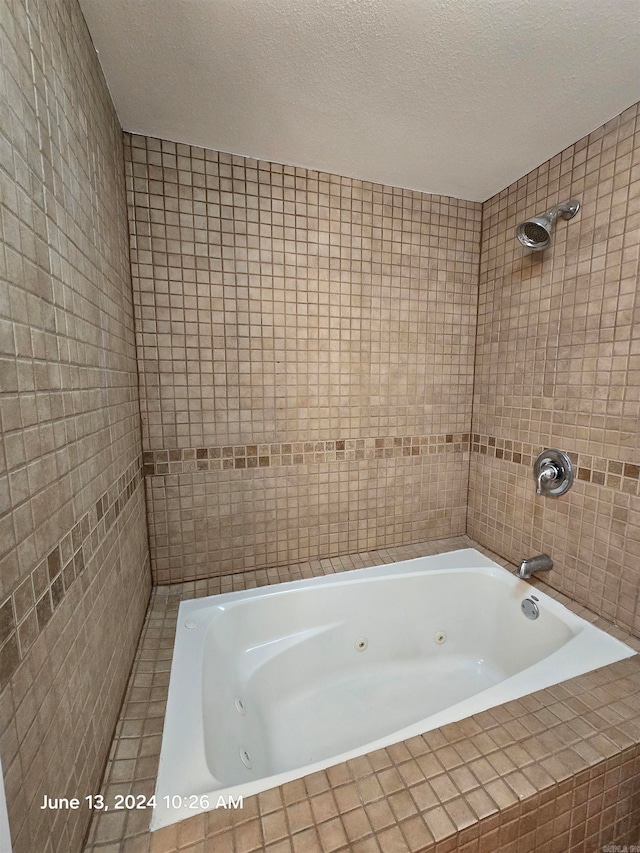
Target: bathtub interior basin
x=270, y=684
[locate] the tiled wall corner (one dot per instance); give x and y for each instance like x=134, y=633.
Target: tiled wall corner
x=298, y=322
x=74, y=563
x=558, y=365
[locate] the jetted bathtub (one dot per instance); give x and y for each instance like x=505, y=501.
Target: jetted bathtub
x=270, y=684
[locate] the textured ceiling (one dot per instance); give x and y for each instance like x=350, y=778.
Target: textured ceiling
x=459, y=97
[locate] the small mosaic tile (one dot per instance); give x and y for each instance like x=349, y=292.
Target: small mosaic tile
x=288, y=320
x=74, y=561
x=25, y=613
x=280, y=304
x=211, y=523
x=610, y=473
x=557, y=366
x=187, y=460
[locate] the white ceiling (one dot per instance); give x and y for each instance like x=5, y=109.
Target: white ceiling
x=458, y=97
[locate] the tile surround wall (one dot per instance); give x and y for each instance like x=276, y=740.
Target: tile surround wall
x=74, y=563
x=558, y=365
x=307, y=326
x=316, y=329
x=259, y=287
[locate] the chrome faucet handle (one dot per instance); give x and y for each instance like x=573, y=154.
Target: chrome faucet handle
x=548, y=472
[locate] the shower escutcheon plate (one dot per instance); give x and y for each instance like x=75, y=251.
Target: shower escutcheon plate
x=553, y=473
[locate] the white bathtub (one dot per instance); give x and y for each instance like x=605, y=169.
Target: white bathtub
x=270, y=684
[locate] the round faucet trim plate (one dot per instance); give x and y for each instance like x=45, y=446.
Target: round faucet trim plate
x=553, y=473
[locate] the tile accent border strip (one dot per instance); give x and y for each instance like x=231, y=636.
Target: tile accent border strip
x=612, y=473
x=621, y=476
x=185, y=460
x=27, y=611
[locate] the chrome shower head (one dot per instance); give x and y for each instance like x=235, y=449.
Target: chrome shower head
x=535, y=233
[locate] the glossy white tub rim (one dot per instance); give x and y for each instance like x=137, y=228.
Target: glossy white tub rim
x=184, y=769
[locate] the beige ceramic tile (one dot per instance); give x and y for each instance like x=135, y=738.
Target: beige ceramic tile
x=293, y=319
x=558, y=365
x=74, y=566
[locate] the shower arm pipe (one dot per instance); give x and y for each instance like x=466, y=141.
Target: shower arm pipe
x=567, y=210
